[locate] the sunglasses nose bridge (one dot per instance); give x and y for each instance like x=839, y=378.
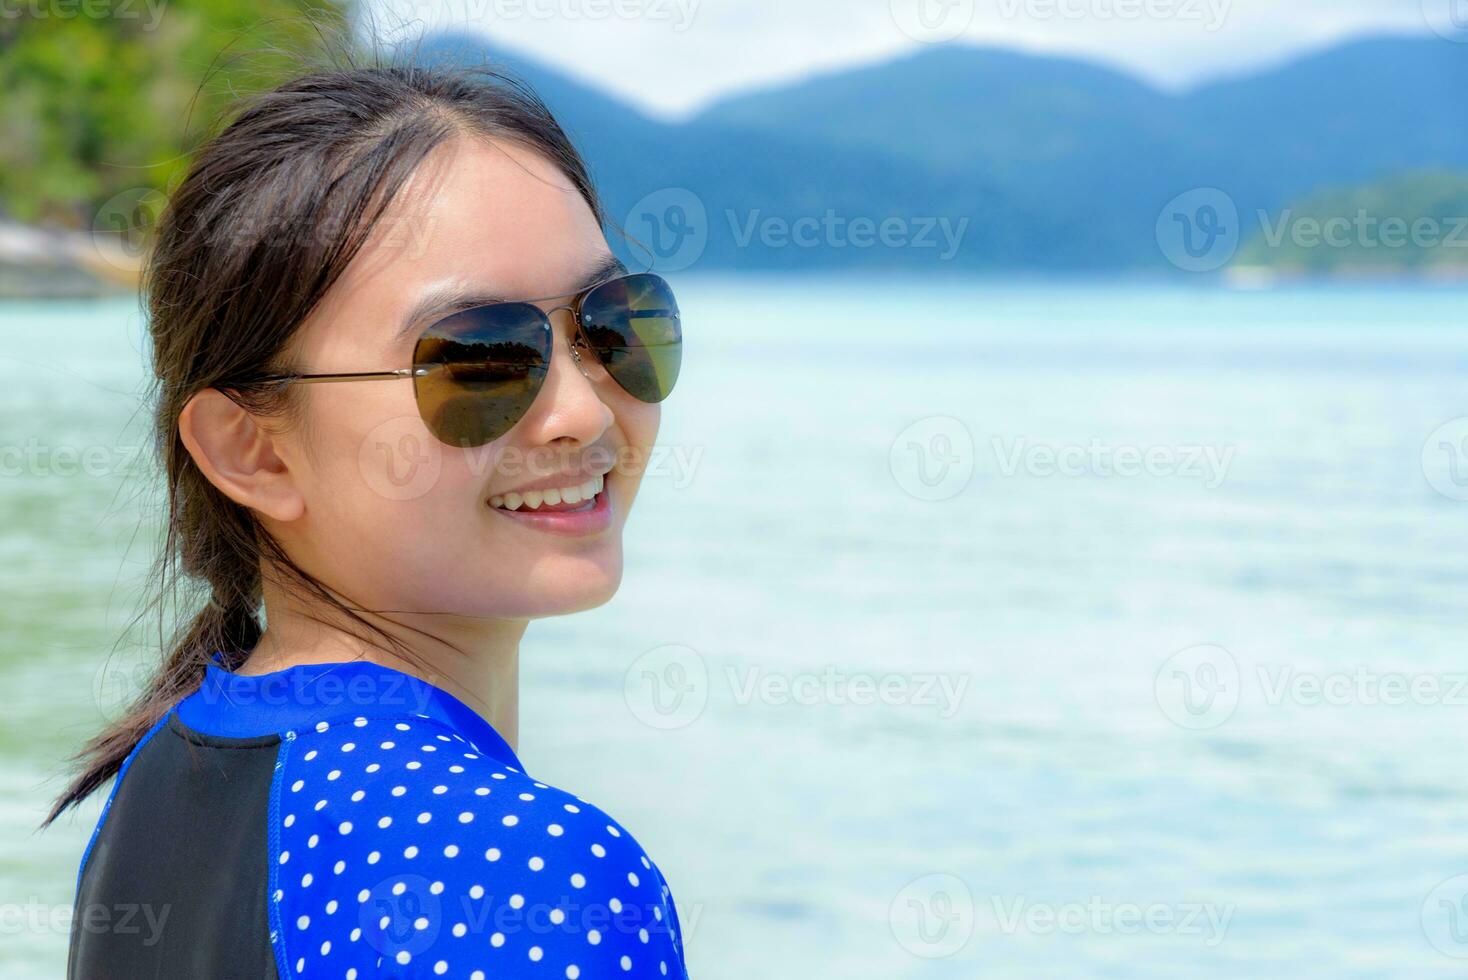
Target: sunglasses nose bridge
x=575, y=341
x=580, y=364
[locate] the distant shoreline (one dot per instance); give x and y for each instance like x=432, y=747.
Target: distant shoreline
x=54, y=263
x=1269, y=277
x=49, y=263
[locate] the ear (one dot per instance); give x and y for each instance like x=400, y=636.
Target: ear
x=239, y=456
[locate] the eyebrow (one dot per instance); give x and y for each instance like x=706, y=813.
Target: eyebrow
x=451, y=298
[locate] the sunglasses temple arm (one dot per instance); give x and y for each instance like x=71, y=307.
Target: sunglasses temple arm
x=354, y=376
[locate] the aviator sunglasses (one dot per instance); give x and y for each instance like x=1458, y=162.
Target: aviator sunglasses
x=476, y=372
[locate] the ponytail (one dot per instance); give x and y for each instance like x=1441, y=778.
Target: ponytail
x=220, y=551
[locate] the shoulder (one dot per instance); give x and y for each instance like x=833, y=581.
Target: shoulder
x=398, y=846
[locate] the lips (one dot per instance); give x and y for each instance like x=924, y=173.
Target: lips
x=587, y=519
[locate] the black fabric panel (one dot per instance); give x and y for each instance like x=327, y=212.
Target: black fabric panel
x=175, y=885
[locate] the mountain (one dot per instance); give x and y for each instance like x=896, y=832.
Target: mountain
x=954, y=108
x=1350, y=115
x=1042, y=163
x=751, y=184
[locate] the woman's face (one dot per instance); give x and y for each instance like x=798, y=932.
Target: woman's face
x=395, y=519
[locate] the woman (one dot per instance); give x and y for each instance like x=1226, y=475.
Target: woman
x=404, y=387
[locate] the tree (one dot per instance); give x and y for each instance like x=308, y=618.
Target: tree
x=108, y=97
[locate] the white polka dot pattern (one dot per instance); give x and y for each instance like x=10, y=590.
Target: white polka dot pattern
x=403, y=851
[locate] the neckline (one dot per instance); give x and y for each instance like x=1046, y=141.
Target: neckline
x=297, y=698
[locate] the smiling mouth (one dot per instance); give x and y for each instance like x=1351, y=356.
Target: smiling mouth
x=561, y=500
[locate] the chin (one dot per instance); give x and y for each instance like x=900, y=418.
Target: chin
x=589, y=593
x=584, y=601
x=564, y=587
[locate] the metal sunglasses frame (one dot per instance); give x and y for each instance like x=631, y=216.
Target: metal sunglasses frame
x=419, y=371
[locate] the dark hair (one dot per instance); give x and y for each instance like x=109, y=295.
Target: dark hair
x=270, y=214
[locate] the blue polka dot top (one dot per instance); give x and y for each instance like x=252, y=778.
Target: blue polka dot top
x=349, y=821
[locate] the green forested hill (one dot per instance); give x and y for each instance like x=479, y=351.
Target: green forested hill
x=1411, y=224
x=105, y=98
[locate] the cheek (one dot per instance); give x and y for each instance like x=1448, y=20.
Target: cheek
x=410, y=527
x=384, y=498
x=639, y=424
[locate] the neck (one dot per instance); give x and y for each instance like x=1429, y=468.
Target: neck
x=475, y=660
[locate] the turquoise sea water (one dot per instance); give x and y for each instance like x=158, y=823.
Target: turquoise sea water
x=969, y=630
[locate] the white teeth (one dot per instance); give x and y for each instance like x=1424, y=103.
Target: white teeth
x=532, y=499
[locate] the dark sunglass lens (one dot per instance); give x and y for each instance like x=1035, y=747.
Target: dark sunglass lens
x=632, y=324
x=486, y=366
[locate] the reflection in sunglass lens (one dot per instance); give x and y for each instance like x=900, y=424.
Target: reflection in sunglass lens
x=632, y=324
x=486, y=365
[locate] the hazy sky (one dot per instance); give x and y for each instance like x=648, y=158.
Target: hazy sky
x=670, y=56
